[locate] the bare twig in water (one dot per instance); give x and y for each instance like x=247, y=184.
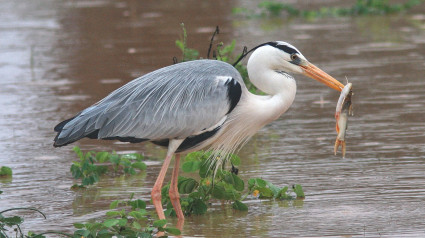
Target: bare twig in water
x=217, y=31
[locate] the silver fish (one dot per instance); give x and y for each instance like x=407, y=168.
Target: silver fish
x=343, y=109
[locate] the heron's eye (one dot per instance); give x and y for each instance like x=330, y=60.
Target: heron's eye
x=294, y=57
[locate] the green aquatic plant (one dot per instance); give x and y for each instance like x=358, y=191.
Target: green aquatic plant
x=276, y=8
x=125, y=219
x=223, y=185
x=187, y=53
x=360, y=7
x=10, y=226
x=5, y=171
x=92, y=165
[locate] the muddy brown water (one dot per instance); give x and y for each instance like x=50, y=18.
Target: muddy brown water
x=58, y=57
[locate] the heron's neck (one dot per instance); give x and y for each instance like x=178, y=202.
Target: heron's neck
x=280, y=86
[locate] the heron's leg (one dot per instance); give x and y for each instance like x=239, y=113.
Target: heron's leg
x=174, y=191
x=156, y=190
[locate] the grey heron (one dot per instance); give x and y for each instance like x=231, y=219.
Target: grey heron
x=195, y=105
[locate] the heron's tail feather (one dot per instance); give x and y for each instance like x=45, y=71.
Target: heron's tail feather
x=90, y=123
x=59, y=127
x=74, y=129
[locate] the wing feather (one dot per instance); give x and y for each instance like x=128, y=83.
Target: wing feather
x=173, y=102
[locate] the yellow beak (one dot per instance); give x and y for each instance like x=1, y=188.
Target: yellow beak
x=314, y=72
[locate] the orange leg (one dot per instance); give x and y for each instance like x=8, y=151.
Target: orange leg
x=156, y=190
x=174, y=191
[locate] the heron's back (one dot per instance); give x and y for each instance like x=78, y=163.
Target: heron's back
x=176, y=101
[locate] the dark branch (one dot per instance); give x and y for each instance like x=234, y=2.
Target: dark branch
x=217, y=31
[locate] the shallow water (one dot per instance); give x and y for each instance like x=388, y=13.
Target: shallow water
x=58, y=57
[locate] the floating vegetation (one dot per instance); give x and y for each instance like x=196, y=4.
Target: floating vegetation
x=10, y=226
x=125, y=219
x=131, y=219
x=94, y=164
x=361, y=7
x=5, y=171
x=224, y=185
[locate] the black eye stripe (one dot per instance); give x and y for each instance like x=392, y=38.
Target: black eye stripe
x=285, y=48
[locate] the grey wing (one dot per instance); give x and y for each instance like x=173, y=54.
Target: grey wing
x=173, y=102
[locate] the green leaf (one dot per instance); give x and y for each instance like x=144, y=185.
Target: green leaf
x=173, y=231
x=238, y=205
x=114, y=158
x=77, y=150
x=130, y=171
x=283, y=194
x=180, y=45
x=218, y=192
x=187, y=185
x=12, y=221
x=113, y=213
x=251, y=182
x=86, y=181
x=138, y=204
x=104, y=233
x=265, y=192
x=232, y=194
x=235, y=160
x=88, y=156
x=95, y=178
x=138, y=214
x=273, y=188
x=122, y=222
x=194, y=156
x=79, y=225
x=159, y=223
x=298, y=190
x=238, y=183
x=205, y=169
x=111, y=222
x=234, y=180
x=5, y=171
x=76, y=171
x=81, y=233
x=139, y=165
x=170, y=212
x=100, y=169
x=136, y=225
x=199, y=207
x=114, y=204
x=102, y=156
x=260, y=182
x=191, y=166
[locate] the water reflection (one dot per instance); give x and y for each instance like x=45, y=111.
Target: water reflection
x=57, y=57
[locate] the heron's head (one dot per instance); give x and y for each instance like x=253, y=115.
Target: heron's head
x=282, y=56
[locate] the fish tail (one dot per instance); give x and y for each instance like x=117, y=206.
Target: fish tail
x=343, y=149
